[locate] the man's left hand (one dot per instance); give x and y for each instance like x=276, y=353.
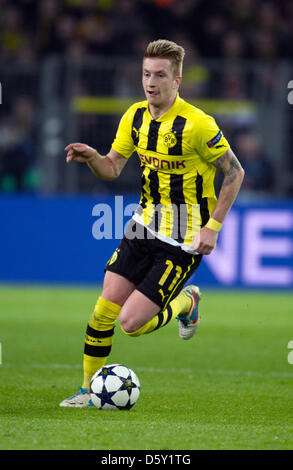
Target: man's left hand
x=205, y=241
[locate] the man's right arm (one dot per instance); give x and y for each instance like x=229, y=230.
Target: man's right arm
x=106, y=167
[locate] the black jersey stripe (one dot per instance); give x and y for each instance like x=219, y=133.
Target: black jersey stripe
x=156, y=199
x=143, y=199
x=154, y=186
x=136, y=124
x=202, y=201
x=177, y=198
x=153, y=135
x=177, y=129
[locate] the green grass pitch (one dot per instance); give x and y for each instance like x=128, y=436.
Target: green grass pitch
x=230, y=387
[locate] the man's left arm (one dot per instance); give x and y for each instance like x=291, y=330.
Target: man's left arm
x=205, y=240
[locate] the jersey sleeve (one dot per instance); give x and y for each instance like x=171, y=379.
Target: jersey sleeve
x=210, y=142
x=123, y=142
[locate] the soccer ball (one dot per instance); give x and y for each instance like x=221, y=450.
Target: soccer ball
x=114, y=387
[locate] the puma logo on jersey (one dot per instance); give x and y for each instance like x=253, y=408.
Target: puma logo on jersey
x=136, y=132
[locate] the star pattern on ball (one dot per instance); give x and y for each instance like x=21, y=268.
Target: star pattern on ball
x=106, y=397
x=115, y=387
x=107, y=371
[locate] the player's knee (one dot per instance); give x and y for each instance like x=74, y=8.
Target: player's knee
x=128, y=326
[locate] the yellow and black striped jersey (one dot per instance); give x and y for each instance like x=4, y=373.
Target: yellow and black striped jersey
x=176, y=151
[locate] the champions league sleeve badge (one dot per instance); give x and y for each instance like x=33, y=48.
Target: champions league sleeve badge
x=214, y=140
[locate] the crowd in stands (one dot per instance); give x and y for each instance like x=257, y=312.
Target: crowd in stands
x=32, y=30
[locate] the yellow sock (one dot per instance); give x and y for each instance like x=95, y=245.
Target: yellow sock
x=99, y=338
x=180, y=304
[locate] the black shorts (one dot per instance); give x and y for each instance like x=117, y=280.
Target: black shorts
x=158, y=270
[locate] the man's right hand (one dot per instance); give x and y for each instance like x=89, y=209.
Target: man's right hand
x=107, y=167
x=81, y=153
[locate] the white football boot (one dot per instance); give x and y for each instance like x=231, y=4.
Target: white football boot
x=78, y=400
x=188, y=323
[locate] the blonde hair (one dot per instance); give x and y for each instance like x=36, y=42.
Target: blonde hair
x=164, y=49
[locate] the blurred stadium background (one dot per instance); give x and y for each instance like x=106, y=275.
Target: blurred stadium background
x=69, y=69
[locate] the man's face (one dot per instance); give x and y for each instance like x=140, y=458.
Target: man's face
x=159, y=84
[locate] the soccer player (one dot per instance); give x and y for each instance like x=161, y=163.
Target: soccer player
x=178, y=217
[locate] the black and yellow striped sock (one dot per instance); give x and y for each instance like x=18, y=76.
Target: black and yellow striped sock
x=99, y=337
x=180, y=304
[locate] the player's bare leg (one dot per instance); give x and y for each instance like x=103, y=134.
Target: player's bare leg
x=136, y=312
x=116, y=288
x=140, y=315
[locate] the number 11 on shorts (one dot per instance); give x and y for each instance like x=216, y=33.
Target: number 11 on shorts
x=167, y=271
